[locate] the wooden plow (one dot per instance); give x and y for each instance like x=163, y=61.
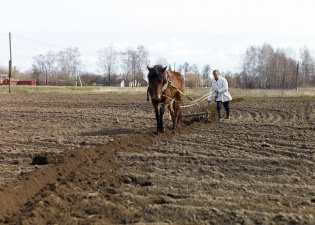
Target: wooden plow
x=198, y=116
x=205, y=112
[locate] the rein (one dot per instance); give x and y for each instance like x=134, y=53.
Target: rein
x=169, y=84
x=194, y=102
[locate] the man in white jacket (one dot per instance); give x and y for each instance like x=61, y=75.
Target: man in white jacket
x=220, y=90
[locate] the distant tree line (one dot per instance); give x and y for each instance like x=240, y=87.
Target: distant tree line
x=266, y=68
x=64, y=67
x=260, y=67
x=56, y=68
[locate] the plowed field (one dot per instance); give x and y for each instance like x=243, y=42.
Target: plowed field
x=103, y=164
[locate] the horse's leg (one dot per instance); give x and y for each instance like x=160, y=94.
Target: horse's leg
x=171, y=109
x=177, y=105
x=180, y=115
x=157, y=116
x=161, y=125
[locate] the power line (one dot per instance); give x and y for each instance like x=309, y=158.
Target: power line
x=41, y=42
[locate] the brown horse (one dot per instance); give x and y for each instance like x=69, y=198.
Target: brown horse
x=166, y=89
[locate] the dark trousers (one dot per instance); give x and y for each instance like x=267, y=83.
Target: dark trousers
x=226, y=106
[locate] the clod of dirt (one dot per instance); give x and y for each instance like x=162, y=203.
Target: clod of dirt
x=40, y=160
x=83, y=143
x=15, y=162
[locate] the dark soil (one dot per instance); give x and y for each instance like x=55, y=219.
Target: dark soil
x=95, y=159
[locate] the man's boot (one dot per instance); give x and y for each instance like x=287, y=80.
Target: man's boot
x=220, y=115
x=228, y=114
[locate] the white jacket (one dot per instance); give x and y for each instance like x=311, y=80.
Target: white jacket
x=222, y=86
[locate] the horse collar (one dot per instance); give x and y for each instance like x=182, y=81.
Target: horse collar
x=166, y=83
x=165, y=86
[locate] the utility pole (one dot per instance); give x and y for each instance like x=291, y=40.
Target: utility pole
x=76, y=78
x=10, y=63
x=297, y=75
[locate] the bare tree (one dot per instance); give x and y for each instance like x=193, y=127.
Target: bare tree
x=3, y=70
x=50, y=66
x=143, y=56
x=162, y=61
x=107, y=61
x=128, y=59
x=283, y=71
x=265, y=68
x=194, y=68
x=205, y=74
x=43, y=67
x=192, y=79
x=39, y=68
x=265, y=55
x=134, y=63
x=250, y=67
x=231, y=78
x=69, y=63
x=91, y=79
x=184, y=67
x=307, y=66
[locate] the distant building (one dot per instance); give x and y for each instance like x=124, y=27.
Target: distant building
x=27, y=82
x=11, y=82
x=3, y=77
x=138, y=82
x=17, y=82
x=122, y=82
x=119, y=82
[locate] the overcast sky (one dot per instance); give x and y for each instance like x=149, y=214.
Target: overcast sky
x=215, y=32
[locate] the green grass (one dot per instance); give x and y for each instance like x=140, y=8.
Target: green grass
x=193, y=93
x=261, y=93
x=56, y=89
x=69, y=89
x=257, y=93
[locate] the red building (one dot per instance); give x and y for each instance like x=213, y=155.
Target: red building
x=12, y=81
x=27, y=82
x=18, y=82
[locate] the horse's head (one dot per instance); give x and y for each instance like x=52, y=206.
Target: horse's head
x=157, y=81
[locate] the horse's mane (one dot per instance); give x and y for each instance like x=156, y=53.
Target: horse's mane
x=158, y=66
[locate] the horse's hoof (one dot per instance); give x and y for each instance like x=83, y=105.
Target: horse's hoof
x=162, y=130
